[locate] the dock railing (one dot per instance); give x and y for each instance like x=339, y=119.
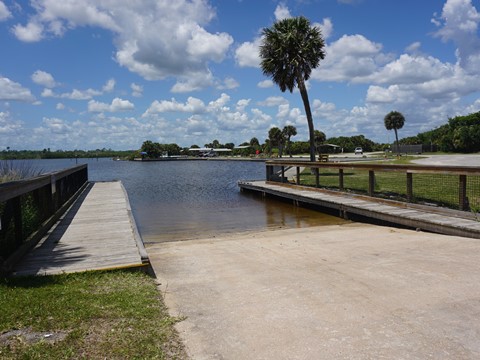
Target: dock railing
x=455, y=187
x=28, y=209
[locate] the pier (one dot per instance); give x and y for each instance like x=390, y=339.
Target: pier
x=98, y=232
x=439, y=199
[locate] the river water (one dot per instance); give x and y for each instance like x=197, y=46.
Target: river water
x=180, y=200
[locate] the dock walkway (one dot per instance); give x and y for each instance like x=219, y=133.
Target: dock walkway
x=428, y=218
x=97, y=233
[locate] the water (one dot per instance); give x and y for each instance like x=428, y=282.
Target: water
x=180, y=200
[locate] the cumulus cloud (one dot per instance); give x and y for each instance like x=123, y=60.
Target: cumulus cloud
x=264, y=84
x=116, y=106
x=282, y=12
x=109, y=86
x=350, y=58
x=8, y=126
x=153, y=39
x=247, y=54
x=193, y=105
x=75, y=94
x=326, y=27
x=459, y=23
x=11, y=90
x=43, y=78
x=4, y=12
x=137, y=90
x=32, y=32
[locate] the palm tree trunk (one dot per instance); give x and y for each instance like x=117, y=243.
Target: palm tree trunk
x=396, y=137
x=308, y=112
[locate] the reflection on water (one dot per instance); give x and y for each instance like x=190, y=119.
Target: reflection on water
x=179, y=200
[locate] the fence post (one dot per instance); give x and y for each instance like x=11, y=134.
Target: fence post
x=317, y=177
x=340, y=179
x=371, y=182
x=462, y=193
x=298, y=175
x=283, y=174
x=409, y=187
x=17, y=220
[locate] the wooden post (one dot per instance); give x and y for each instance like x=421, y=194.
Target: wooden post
x=371, y=182
x=317, y=177
x=298, y=175
x=409, y=187
x=17, y=220
x=283, y=174
x=462, y=193
x=269, y=172
x=340, y=179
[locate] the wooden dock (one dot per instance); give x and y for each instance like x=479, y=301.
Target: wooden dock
x=97, y=233
x=428, y=218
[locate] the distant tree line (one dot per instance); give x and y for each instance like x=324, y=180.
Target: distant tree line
x=460, y=134
x=9, y=154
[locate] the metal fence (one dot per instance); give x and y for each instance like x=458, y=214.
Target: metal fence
x=28, y=208
x=447, y=186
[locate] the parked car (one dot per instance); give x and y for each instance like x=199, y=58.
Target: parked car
x=358, y=150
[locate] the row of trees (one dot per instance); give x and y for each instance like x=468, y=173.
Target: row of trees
x=460, y=134
x=9, y=154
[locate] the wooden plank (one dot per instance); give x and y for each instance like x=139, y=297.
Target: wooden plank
x=423, y=217
x=96, y=233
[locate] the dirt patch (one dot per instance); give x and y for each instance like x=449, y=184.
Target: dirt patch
x=28, y=336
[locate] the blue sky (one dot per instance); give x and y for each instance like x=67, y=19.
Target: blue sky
x=88, y=74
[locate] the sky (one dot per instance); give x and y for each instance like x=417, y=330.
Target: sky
x=93, y=74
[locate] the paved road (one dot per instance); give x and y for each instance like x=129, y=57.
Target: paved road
x=455, y=160
x=353, y=291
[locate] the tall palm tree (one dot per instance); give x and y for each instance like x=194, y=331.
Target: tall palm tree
x=289, y=131
x=394, y=120
x=290, y=50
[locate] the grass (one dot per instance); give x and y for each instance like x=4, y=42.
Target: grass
x=11, y=171
x=439, y=189
x=94, y=315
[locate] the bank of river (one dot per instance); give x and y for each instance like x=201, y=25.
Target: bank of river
x=180, y=200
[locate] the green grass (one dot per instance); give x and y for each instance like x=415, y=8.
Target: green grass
x=94, y=315
x=440, y=189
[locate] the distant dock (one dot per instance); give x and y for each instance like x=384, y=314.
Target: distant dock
x=97, y=233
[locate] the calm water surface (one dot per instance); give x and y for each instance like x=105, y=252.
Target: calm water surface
x=179, y=200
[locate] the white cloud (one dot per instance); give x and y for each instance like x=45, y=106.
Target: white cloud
x=43, y=78
x=117, y=105
x=247, y=54
x=282, y=12
x=242, y=104
x=193, y=105
x=75, y=94
x=351, y=58
x=60, y=106
x=10, y=90
x=4, y=12
x=32, y=32
x=153, y=39
x=8, y=126
x=273, y=101
x=109, y=86
x=228, y=84
x=326, y=27
x=265, y=84
x=137, y=90
x=459, y=23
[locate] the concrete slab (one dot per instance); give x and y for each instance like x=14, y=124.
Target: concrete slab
x=353, y=291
